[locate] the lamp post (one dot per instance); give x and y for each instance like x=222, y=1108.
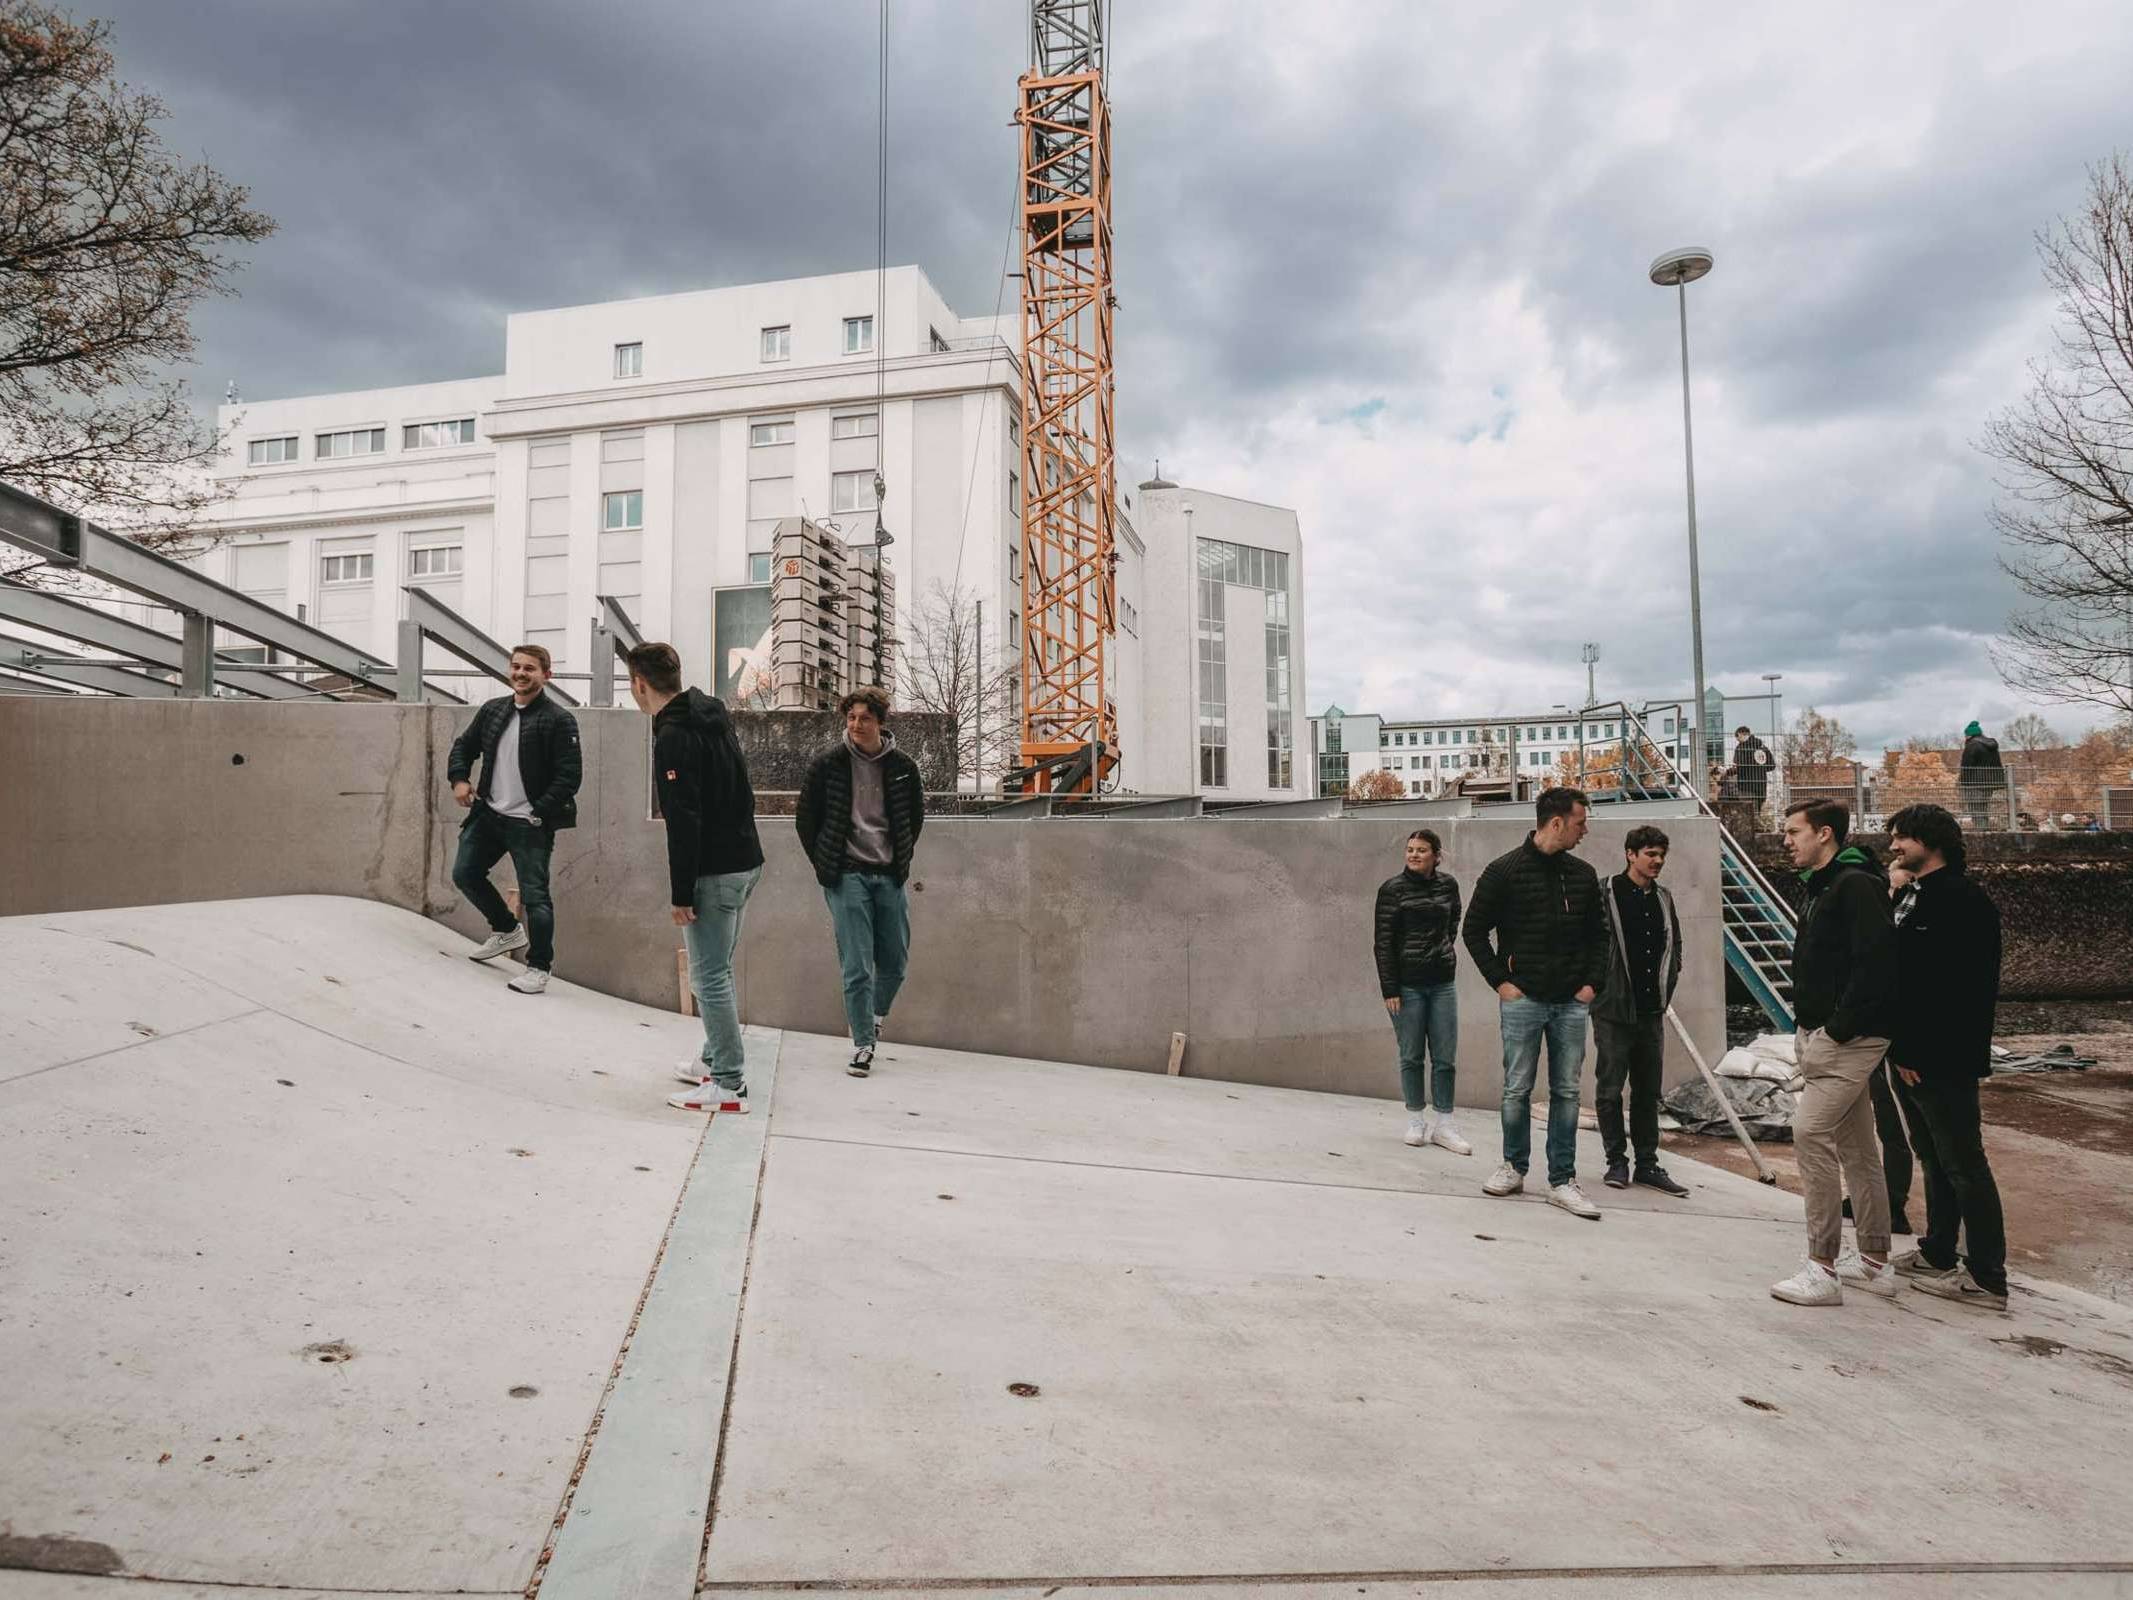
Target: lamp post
x=1676, y=270
x=1777, y=761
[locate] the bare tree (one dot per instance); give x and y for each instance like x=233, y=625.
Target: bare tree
x=2030, y=733
x=949, y=670
x=2065, y=454
x=107, y=241
x=1815, y=742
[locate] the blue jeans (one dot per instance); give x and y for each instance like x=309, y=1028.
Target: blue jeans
x=1525, y=1023
x=873, y=925
x=485, y=838
x=1428, y=1017
x=712, y=938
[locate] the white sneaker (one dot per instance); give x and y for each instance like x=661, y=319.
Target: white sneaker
x=532, y=981
x=1854, y=1269
x=1421, y=1127
x=1445, y=1135
x=499, y=944
x=1506, y=1180
x=708, y=1096
x=1572, y=1199
x=1810, y=1286
x=692, y=1070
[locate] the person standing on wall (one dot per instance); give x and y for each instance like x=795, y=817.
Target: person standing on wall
x=1629, y=1018
x=1981, y=775
x=1416, y=934
x=530, y=770
x=1947, y=985
x=1751, y=765
x=714, y=862
x=861, y=809
x=1844, y=1001
x=1541, y=907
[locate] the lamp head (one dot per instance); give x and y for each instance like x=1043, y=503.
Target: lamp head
x=1681, y=266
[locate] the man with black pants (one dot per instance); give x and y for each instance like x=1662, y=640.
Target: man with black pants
x=1751, y=765
x=861, y=808
x=1548, y=958
x=1629, y=1018
x=1947, y=984
x=530, y=770
x=714, y=862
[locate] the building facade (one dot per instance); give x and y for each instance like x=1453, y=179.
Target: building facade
x=647, y=450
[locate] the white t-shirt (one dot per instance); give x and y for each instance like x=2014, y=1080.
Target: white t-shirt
x=507, y=788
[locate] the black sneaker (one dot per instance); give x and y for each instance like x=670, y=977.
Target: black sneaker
x=1656, y=1178
x=1617, y=1175
x=862, y=1062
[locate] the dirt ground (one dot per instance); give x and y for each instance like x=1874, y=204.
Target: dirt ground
x=2061, y=1145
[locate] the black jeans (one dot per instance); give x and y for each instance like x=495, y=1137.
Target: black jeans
x=485, y=839
x=1631, y=1056
x=1948, y=1135
x=1895, y=1146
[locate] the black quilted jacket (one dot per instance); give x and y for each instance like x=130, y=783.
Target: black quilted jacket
x=825, y=812
x=1550, y=932
x=1417, y=926
x=550, y=765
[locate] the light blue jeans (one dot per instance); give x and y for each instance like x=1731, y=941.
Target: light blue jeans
x=712, y=938
x=873, y=923
x=1525, y=1023
x=1428, y=1018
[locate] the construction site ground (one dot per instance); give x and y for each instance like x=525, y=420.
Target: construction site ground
x=331, y=1267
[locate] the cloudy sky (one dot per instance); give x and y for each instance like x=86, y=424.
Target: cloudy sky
x=1384, y=263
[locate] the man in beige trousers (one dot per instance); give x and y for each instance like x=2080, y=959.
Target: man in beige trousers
x=1843, y=999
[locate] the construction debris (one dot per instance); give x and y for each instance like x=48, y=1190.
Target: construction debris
x=2059, y=1058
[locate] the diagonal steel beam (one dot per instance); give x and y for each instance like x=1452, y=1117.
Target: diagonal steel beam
x=20, y=655
x=70, y=619
x=438, y=621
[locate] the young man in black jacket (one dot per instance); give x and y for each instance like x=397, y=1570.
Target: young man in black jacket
x=861, y=809
x=1947, y=984
x=1844, y=1003
x=1542, y=905
x=530, y=770
x=1629, y=1018
x=1415, y=932
x=714, y=861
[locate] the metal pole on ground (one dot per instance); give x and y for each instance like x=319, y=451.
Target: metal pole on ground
x=1762, y=1167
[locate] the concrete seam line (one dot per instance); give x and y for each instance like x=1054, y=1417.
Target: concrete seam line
x=1259, y=1177
x=121, y=1049
x=633, y=1523
x=1282, y=1580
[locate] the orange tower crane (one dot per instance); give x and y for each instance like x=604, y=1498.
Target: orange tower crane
x=1069, y=456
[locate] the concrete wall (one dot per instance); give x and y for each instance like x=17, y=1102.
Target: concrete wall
x=1072, y=939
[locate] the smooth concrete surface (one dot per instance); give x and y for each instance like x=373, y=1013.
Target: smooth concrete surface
x=1075, y=939
x=294, y=1201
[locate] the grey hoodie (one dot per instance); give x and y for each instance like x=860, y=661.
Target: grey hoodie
x=869, y=845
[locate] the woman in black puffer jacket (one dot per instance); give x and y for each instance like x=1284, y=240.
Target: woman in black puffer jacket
x=1417, y=934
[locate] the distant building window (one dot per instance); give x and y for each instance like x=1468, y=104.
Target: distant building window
x=357, y=442
x=759, y=567
x=272, y=452
x=429, y=435
x=852, y=491
x=777, y=344
x=858, y=335
x=859, y=425
x=1014, y=493
x=436, y=561
x=778, y=432
x=629, y=360
x=1014, y=563
x=622, y=510
x=351, y=568
x=1128, y=618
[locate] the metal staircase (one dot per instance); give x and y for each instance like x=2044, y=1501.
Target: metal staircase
x=1757, y=923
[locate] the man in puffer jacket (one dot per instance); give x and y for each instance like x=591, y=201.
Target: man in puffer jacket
x=1416, y=930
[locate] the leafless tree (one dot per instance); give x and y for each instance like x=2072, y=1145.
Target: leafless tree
x=107, y=241
x=950, y=670
x=2030, y=733
x=1816, y=741
x=2065, y=457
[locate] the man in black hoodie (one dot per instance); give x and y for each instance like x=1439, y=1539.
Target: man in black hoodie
x=1983, y=776
x=1947, y=983
x=714, y=861
x=1844, y=1002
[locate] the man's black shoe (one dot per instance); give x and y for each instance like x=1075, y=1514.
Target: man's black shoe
x=1617, y=1175
x=1656, y=1178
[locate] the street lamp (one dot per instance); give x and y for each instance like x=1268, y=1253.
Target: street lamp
x=1676, y=270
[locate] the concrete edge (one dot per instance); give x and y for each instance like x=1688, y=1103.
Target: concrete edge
x=637, y=1514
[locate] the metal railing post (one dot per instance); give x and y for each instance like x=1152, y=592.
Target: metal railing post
x=196, y=657
x=409, y=686
x=602, y=658
x=1858, y=794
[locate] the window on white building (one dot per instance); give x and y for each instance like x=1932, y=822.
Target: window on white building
x=271, y=452
x=859, y=425
x=777, y=343
x=858, y=335
x=852, y=491
x=436, y=561
x=1014, y=561
x=629, y=360
x=350, y=567
x=779, y=430
x=430, y=435
x=624, y=509
x=759, y=567
x=352, y=442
